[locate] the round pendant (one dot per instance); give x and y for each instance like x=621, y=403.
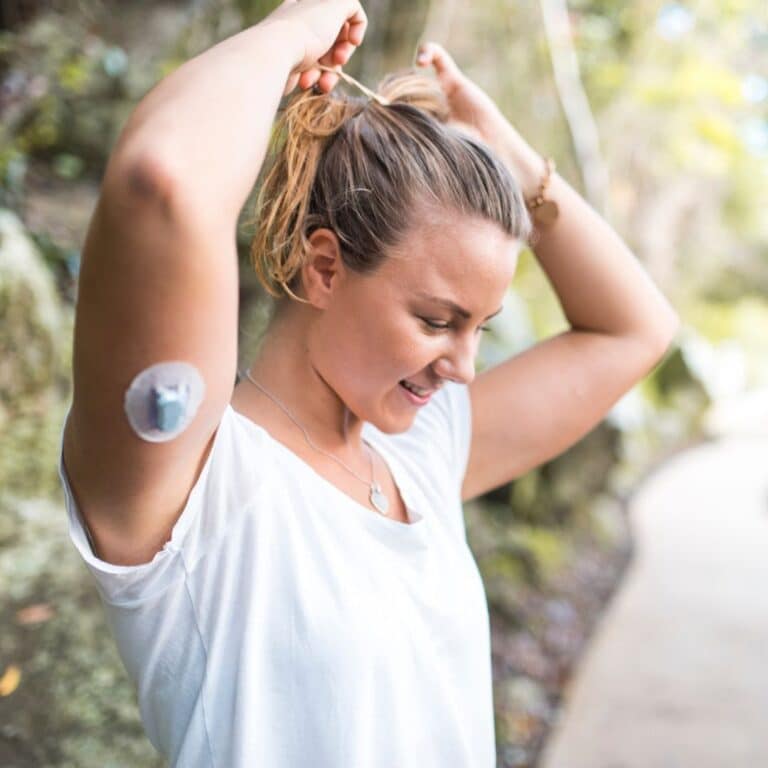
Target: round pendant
x=379, y=500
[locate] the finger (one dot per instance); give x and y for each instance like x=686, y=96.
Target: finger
x=434, y=53
x=341, y=53
x=341, y=50
x=358, y=23
x=327, y=58
x=309, y=77
x=327, y=81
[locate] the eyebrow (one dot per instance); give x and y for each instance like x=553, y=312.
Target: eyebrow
x=454, y=307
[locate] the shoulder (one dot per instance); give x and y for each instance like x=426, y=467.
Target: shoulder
x=439, y=436
x=228, y=478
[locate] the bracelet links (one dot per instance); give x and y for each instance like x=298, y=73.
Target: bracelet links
x=544, y=211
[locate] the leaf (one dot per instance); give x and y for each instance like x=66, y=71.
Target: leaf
x=9, y=682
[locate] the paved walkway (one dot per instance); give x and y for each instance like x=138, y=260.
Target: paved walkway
x=676, y=675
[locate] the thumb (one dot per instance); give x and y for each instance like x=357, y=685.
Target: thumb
x=433, y=53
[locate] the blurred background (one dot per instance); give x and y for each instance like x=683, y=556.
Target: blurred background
x=656, y=111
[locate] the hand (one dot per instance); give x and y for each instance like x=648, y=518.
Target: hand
x=475, y=112
x=472, y=109
x=327, y=32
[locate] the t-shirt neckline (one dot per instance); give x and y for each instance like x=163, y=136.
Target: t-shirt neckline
x=373, y=520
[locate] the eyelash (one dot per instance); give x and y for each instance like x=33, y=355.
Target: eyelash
x=438, y=327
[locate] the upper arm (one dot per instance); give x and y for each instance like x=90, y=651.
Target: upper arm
x=154, y=286
x=532, y=407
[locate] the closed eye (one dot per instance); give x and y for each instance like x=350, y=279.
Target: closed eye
x=442, y=326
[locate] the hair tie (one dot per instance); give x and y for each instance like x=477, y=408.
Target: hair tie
x=367, y=91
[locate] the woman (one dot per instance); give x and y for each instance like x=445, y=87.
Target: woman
x=284, y=566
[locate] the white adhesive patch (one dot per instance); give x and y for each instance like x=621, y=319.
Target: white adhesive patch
x=163, y=399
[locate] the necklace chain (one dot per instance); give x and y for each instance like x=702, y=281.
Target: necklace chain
x=377, y=498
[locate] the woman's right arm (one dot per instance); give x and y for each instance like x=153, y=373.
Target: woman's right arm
x=202, y=133
x=199, y=137
x=158, y=279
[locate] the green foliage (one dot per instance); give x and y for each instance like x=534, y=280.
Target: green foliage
x=548, y=548
x=68, y=88
x=254, y=10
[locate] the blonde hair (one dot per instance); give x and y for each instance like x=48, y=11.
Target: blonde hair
x=364, y=169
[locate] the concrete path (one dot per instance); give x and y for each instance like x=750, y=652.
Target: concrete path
x=676, y=675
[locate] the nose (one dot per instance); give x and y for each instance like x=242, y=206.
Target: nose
x=458, y=362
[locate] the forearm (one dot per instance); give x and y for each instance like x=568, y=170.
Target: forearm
x=601, y=285
x=207, y=124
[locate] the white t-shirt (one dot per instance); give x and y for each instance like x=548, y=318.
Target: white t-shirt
x=285, y=625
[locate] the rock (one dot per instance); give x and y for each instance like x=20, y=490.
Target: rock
x=35, y=347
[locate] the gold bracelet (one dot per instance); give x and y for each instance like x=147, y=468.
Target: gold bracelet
x=544, y=211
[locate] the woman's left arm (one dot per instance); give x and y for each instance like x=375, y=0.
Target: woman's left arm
x=533, y=406
x=601, y=285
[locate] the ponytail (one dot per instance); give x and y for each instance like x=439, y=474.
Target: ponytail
x=365, y=169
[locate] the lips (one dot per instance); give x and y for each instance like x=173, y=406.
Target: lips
x=412, y=397
x=417, y=394
x=416, y=389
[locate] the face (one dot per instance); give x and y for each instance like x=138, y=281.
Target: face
x=417, y=319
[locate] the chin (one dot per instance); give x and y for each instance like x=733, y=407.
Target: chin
x=395, y=424
x=390, y=428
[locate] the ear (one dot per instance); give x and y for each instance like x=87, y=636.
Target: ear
x=324, y=268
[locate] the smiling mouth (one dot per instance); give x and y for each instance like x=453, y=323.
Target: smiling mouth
x=416, y=390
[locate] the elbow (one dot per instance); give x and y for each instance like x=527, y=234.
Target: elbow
x=144, y=180
x=651, y=343
x=149, y=179
x=663, y=335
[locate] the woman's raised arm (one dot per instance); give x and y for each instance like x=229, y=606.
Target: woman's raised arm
x=158, y=281
x=200, y=136
x=533, y=406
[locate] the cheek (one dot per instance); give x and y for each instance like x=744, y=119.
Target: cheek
x=379, y=351
x=357, y=354
x=400, y=345
x=370, y=342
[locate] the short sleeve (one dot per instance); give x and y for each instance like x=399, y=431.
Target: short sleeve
x=459, y=421
x=443, y=429
x=123, y=584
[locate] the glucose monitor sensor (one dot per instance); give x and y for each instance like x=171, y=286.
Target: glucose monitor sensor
x=163, y=399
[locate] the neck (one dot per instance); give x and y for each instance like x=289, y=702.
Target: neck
x=284, y=366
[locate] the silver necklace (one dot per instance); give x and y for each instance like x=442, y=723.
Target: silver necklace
x=377, y=498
